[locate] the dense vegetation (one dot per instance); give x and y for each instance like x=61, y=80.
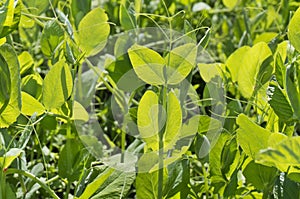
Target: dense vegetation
x=149, y=99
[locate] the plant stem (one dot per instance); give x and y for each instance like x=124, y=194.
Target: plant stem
x=68, y=190
x=3, y=183
x=161, y=147
x=35, y=179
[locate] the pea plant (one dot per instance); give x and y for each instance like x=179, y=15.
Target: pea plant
x=149, y=99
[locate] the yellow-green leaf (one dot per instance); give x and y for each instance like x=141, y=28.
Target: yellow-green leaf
x=249, y=78
x=30, y=105
x=148, y=121
x=251, y=137
x=294, y=30
x=147, y=64
x=57, y=86
x=180, y=61
x=174, y=121
x=235, y=60
x=93, y=31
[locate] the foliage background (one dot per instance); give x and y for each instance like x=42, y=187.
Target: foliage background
x=253, y=47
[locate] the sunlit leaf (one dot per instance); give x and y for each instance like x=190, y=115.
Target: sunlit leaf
x=93, y=31
x=57, y=86
x=294, y=30
x=147, y=64
x=251, y=137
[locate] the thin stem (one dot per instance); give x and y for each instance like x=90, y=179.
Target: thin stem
x=68, y=190
x=35, y=179
x=161, y=148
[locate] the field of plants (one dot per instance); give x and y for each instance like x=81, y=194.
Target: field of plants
x=149, y=99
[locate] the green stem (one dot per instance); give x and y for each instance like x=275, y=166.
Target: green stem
x=35, y=179
x=3, y=184
x=161, y=148
x=68, y=190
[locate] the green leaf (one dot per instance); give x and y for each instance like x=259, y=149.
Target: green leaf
x=33, y=85
x=293, y=88
x=3, y=11
x=294, y=30
x=5, y=84
x=57, y=86
x=209, y=71
x=148, y=121
x=79, y=112
x=94, y=186
x=12, y=19
x=230, y=3
x=262, y=177
x=207, y=123
x=36, y=7
x=9, y=157
x=235, y=61
x=147, y=183
x=70, y=163
x=10, y=110
x=250, y=75
x=26, y=62
x=147, y=64
x=280, y=70
x=174, y=120
x=126, y=16
x=216, y=153
x=284, y=188
x=180, y=61
x=280, y=104
x=283, y=155
x=230, y=157
x=79, y=9
x=116, y=186
x=30, y=105
x=251, y=137
x=93, y=31
x=52, y=37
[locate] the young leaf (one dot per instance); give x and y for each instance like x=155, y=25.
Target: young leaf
x=9, y=157
x=36, y=7
x=147, y=64
x=57, y=86
x=33, y=85
x=147, y=183
x=69, y=163
x=94, y=186
x=93, y=31
x=52, y=37
x=209, y=71
x=174, y=120
x=230, y=3
x=3, y=11
x=79, y=9
x=116, y=186
x=294, y=30
x=180, y=61
x=293, y=88
x=283, y=155
x=11, y=110
x=235, y=60
x=30, y=105
x=12, y=19
x=148, y=121
x=127, y=18
x=26, y=62
x=251, y=137
x=250, y=67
